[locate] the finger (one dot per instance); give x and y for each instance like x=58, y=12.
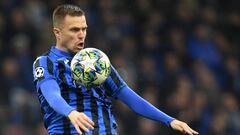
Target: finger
x=78, y=129
x=88, y=120
x=194, y=132
x=187, y=129
x=86, y=123
x=82, y=126
x=187, y=132
x=182, y=129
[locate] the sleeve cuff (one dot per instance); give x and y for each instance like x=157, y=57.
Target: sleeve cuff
x=168, y=122
x=68, y=111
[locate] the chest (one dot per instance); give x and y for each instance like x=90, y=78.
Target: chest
x=65, y=81
x=63, y=73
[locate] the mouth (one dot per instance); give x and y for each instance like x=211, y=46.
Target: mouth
x=80, y=45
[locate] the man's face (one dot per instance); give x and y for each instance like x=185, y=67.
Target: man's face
x=72, y=33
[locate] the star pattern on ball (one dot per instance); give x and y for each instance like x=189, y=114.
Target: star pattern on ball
x=90, y=67
x=88, y=63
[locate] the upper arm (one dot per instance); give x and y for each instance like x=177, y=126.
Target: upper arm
x=43, y=69
x=114, y=83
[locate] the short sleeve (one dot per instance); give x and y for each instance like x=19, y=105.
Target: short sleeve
x=114, y=83
x=42, y=70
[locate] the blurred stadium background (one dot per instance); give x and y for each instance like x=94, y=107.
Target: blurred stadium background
x=183, y=56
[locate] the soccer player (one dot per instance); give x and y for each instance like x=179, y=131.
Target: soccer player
x=68, y=109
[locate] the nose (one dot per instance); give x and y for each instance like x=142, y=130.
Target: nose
x=81, y=35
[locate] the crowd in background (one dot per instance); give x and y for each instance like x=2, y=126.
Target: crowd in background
x=183, y=56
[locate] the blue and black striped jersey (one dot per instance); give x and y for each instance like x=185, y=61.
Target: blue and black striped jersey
x=95, y=102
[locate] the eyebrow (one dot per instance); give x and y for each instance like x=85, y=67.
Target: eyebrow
x=77, y=28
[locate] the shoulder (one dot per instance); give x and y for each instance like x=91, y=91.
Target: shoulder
x=45, y=61
x=42, y=60
x=44, y=57
x=43, y=67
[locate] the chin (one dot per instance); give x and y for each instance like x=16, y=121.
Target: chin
x=77, y=50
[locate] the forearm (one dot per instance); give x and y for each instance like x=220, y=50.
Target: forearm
x=52, y=94
x=142, y=107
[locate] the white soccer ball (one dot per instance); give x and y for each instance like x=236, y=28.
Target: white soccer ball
x=90, y=67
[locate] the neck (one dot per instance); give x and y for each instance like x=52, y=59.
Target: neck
x=58, y=46
x=62, y=51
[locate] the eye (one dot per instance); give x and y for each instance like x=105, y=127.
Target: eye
x=74, y=29
x=84, y=29
x=77, y=29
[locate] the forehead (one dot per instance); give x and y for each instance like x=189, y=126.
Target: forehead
x=74, y=21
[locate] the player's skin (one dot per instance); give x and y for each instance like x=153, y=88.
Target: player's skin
x=70, y=37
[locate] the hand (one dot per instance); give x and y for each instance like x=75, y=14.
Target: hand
x=80, y=121
x=182, y=127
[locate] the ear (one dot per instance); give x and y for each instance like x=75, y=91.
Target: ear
x=57, y=32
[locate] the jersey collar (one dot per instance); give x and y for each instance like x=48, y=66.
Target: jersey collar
x=61, y=53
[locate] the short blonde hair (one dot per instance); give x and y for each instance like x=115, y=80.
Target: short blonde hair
x=63, y=10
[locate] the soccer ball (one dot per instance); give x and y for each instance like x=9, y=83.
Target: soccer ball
x=90, y=67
